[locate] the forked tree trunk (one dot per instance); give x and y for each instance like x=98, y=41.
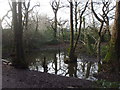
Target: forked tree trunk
x=73, y=45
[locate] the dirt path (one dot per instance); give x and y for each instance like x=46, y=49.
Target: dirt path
x=17, y=78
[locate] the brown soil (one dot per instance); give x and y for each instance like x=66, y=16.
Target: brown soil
x=20, y=78
x=108, y=76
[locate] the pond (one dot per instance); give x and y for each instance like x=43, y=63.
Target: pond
x=52, y=61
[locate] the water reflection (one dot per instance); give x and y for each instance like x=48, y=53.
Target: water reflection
x=44, y=65
x=53, y=62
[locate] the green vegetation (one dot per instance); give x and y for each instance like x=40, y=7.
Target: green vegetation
x=29, y=31
x=107, y=84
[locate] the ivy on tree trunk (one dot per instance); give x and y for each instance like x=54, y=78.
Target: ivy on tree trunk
x=112, y=59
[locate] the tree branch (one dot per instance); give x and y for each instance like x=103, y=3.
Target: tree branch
x=95, y=12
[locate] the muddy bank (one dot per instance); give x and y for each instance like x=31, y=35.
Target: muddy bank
x=112, y=77
x=17, y=78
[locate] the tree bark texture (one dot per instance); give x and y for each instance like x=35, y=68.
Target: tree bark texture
x=19, y=61
x=113, y=56
x=71, y=52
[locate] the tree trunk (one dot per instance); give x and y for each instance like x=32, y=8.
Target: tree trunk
x=112, y=59
x=55, y=61
x=84, y=28
x=99, y=46
x=26, y=19
x=73, y=46
x=88, y=69
x=76, y=17
x=99, y=53
x=72, y=69
x=19, y=60
x=55, y=30
x=71, y=52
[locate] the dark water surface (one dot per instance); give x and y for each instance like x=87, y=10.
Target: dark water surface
x=53, y=62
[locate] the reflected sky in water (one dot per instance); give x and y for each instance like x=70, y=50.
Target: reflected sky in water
x=53, y=62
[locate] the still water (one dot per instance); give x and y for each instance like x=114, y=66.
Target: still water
x=53, y=62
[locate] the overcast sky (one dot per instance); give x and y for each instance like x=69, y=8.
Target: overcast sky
x=44, y=8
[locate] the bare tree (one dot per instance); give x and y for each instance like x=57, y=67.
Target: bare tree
x=61, y=24
x=19, y=58
x=76, y=12
x=55, y=6
x=5, y=17
x=73, y=44
x=103, y=19
x=71, y=53
x=27, y=10
x=112, y=60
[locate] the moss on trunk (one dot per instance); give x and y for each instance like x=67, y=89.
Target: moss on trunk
x=112, y=59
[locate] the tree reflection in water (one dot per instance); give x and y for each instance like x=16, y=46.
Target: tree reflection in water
x=53, y=62
x=44, y=65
